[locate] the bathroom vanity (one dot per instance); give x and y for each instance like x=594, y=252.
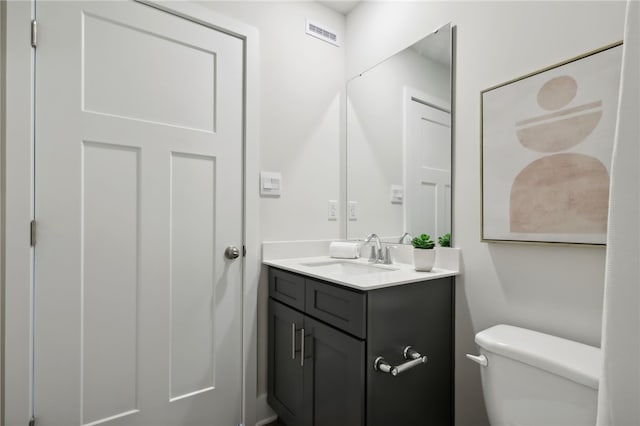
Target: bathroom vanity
x=350, y=351
x=347, y=339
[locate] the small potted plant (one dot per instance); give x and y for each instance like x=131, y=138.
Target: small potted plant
x=448, y=257
x=424, y=256
x=445, y=240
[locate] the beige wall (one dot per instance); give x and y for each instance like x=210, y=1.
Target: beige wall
x=552, y=289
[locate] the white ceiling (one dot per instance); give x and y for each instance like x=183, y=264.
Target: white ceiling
x=340, y=6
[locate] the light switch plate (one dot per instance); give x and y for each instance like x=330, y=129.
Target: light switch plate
x=270, y=184
x=352, y=210
x=397, y=194
x=332, y=213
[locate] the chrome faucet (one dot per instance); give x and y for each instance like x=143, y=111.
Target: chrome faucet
x=405, y=235
x=376, y=251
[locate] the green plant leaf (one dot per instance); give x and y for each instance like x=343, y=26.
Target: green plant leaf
x=424, y=241
x=445, y=240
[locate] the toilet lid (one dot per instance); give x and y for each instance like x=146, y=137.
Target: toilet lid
x=572, y=360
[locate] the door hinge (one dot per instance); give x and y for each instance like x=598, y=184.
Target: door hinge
x=33, y=233
x=34, y=33
x=32, y=421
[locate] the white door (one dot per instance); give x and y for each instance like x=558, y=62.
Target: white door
x=428, y=168
x=138, y=193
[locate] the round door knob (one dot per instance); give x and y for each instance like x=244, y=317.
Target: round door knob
x=232, y=252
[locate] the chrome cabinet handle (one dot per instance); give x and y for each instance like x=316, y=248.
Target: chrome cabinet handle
x=413, y=357
x=302, y=347
x=293, y=340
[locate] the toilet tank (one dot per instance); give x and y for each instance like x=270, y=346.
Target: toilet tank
x=533, y=378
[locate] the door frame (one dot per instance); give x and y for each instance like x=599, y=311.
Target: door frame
x=17, y=194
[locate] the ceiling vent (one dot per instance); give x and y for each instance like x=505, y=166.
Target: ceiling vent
x=323, y=33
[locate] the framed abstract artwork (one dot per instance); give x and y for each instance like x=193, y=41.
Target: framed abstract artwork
x=547, y=143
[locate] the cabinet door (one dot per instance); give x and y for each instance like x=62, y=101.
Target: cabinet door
x=285, y=377
x=334, y=390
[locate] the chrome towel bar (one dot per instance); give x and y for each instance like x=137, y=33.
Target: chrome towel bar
x=413, y=357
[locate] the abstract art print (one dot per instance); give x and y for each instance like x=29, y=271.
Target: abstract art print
x=547, y=144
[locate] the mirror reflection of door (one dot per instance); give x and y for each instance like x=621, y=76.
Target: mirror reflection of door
x=427, y=153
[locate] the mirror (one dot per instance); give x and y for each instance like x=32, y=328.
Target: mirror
x=399, y=143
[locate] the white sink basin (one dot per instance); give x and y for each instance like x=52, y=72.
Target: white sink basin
x=341, y=267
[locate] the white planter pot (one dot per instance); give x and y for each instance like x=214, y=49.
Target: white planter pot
x=448, y=258
x=423, y=259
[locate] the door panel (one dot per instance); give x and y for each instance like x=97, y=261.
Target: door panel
x=428, y=191
x=110, y=279
x=192, y=328
x=137, y=311
x=431, y=208
x=150, y=60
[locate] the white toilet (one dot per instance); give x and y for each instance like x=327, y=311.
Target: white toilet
x=532, y=378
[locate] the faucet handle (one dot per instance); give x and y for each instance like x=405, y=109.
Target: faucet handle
x=373, y=255
x=387, y=255
x=405, y=235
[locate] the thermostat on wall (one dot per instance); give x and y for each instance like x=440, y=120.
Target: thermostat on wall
x=270, y=184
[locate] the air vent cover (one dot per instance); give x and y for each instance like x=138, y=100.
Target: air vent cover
x=323, y=33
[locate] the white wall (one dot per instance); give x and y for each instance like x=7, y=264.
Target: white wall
x=2, y=106
x=302, y=81
x=554, y=289
x=301, y=136
x=549, y=288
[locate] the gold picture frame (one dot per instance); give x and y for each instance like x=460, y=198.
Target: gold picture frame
x=546, y=146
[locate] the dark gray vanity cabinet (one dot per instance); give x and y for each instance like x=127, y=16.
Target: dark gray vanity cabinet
x=285, y=365
x=316, y=372
x=325, y=338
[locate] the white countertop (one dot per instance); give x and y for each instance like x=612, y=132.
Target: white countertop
x=389, y=275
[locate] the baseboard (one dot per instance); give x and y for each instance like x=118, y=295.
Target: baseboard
x=264, y=413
